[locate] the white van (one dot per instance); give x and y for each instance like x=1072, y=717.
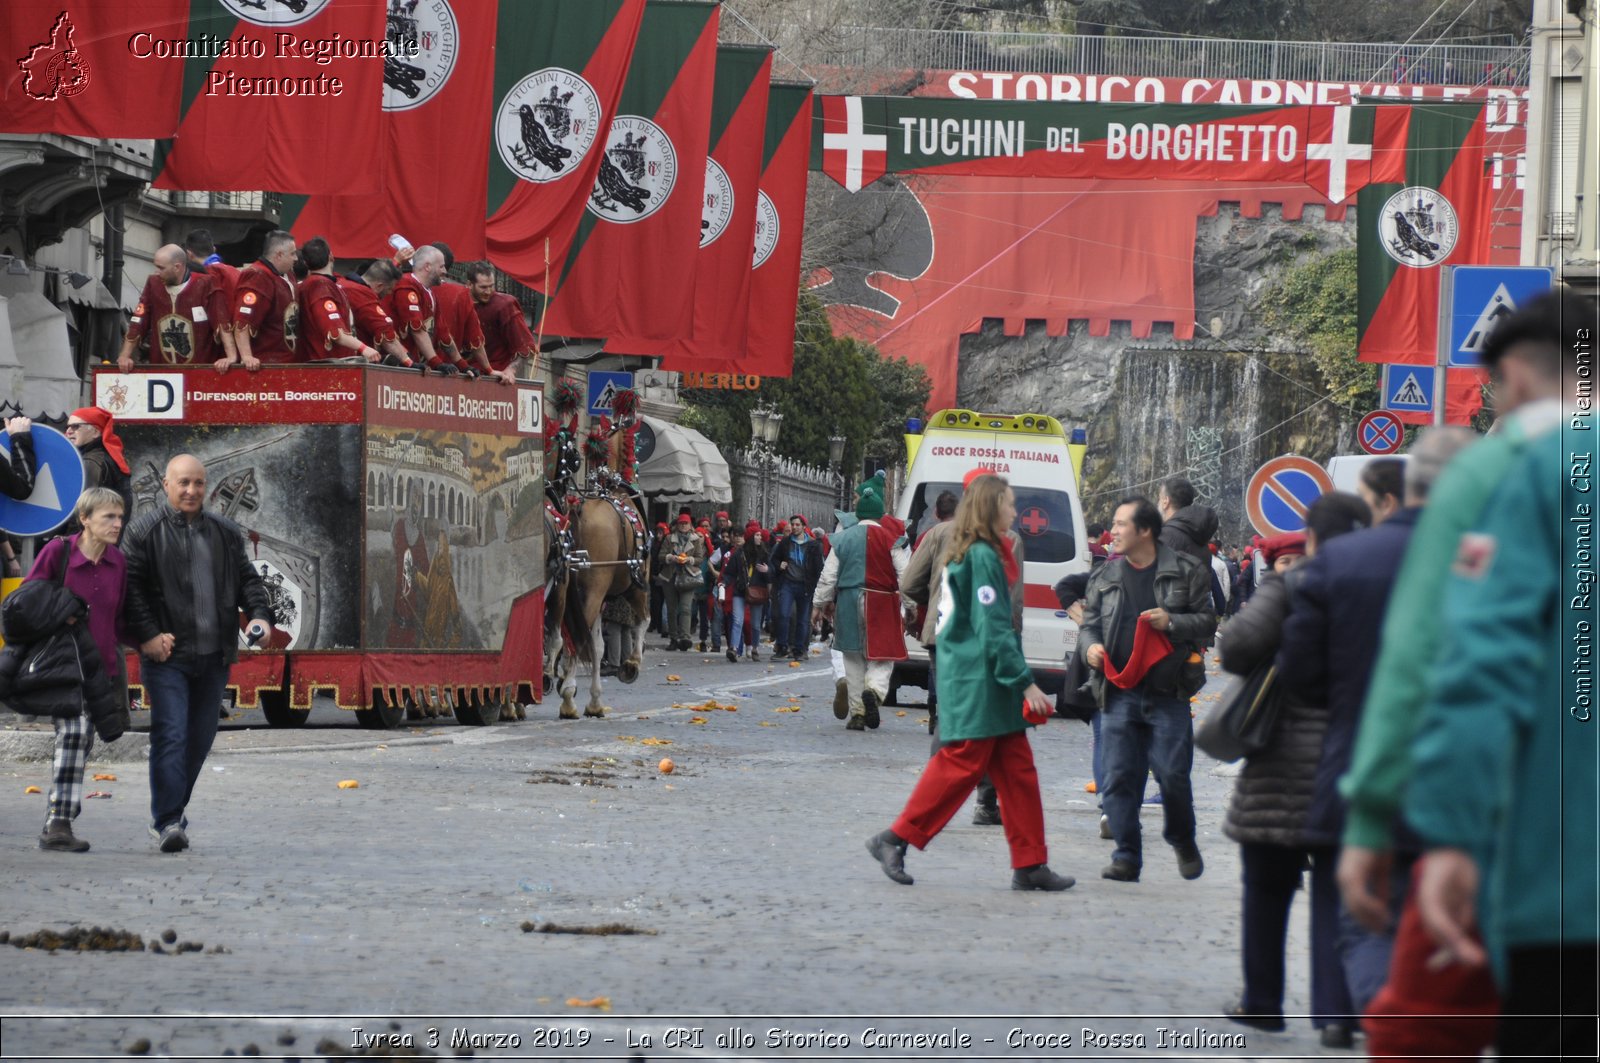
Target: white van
x=1345, y=469
x=1031, y=451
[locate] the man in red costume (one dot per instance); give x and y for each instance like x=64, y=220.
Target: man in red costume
x=265, y=311
x=327, y=323
x=860, y=592
x=203, y=258
x=457, y=331
x=182, y=317
x=373, y=326
x=506, y=336
x=415, y=311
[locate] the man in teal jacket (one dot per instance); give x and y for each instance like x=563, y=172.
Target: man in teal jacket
x=1525, y=355
x=1507, y=778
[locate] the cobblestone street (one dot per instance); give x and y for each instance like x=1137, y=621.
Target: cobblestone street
x=322, y=909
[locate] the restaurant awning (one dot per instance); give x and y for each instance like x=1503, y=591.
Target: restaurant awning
x=684, y=466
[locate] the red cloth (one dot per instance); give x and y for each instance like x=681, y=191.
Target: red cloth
x=412, y=308
x=202, y=306
x=457, y=322
x=264, y=305
x=1008, y=559
x=1447, y=1014
x=324, y=316
x=108, y=432
x=1149, y=648
x=953, y=772
x=372, y=320
x=880, y=598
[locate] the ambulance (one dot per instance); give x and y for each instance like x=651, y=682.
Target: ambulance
x=1032, y=452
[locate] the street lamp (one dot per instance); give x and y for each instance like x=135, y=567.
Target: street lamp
x=835, y=473
x=765, y=424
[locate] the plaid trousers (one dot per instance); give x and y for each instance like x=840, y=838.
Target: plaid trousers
x=74, y=739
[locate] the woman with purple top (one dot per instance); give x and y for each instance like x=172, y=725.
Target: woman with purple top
x=97, y=573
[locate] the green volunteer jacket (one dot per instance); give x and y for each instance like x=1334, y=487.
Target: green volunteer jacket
x=1502, y=753
x=982, y=672
x=1381, y=764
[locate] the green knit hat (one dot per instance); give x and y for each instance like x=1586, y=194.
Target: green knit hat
x=870, y=505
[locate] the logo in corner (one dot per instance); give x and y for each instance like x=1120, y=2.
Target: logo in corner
x=547, y=124
x=1418, y=227
x=422, y=44
x=637, y=172
x=54, y=69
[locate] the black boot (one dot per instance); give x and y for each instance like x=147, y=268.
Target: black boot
x=889, y=849
x=986, y=814
x=1040, y=877
x=869, y=698
x=57, y=836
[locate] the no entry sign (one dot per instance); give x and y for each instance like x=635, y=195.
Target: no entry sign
x=1380, y=433
x=1281, y=491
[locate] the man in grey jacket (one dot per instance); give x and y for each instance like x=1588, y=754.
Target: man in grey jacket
x=1147, y=726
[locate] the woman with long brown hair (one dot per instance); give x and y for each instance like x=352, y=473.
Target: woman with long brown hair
x=987, y=700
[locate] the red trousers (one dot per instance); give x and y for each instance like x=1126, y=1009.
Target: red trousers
x=1448, y=1014
x=953, y=773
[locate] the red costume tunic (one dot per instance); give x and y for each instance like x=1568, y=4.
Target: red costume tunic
x=372, y=321
x=412, y=307
x=224, y=276
x=324, y=317
x=505, y=331
x=455, y=322
x=182, y=334
x=264, y=305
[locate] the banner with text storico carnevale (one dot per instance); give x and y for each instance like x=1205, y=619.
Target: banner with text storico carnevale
x=436, y=116
x=631, y=267
x=280, y=97
x=559, y=70
x=716, y=339
x=68, y=69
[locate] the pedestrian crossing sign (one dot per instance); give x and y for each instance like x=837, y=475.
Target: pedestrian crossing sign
x=603, y=388
x=1408, y=387
x=1480, y=297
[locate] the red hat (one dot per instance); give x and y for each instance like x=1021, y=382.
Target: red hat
x=751, y=528
x=966, y=481
x=684, y=518
x=108, y=432
x=1149, y=648
x=722, y=514
x=1285, y=545
x=661, y=525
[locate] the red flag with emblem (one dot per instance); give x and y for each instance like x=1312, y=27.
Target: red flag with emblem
x=295, y=105
x=631, y=267
x=559, y=70
x=436, y=116
x=716, y=341
x=68, y=67
x=780, y=224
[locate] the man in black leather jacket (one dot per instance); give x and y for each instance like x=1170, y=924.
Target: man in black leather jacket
x=188, y=580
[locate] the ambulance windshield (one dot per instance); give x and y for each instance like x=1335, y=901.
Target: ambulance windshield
x=1044, y=520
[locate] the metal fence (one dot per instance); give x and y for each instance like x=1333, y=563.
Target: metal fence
x=1209, y=57
x=794, y=488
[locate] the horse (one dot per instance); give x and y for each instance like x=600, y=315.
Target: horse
x=556, y=572
x=608, y=532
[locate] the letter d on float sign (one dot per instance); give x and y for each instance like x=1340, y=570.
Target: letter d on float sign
x=159, y=397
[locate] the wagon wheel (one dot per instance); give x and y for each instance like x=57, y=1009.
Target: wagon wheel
x=477, y=714
x=276, y=708
x=384, y=714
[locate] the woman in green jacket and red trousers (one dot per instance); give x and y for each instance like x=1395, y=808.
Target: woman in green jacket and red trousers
x=987, y=700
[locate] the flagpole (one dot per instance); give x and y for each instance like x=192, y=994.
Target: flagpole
x=1447, y=283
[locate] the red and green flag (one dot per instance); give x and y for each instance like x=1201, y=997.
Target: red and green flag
x=780, y=225
x=436, y=115
x=630, y=270
x=716, y=340
x=559, y=70
x=91, y=68
x=283, y=96
x=1431, y=209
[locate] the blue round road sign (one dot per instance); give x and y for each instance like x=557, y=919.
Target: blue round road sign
x=1281, y=491
x=56, y=487
x=1380, y=432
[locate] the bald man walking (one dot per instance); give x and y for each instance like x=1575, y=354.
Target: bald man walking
x=188, y=580
x=183, y=317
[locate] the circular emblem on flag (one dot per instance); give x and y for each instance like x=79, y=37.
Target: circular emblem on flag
x=1380, y=432
x=986, y=595
x=1418, y=227
x=717, y=210
x=546, y=124
x=767, y=228
x=637, y=173
x=276, y=13
x=422, y=43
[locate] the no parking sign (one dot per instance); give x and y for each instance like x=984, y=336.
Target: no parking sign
x=1380, y=432
x=1281, y=491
